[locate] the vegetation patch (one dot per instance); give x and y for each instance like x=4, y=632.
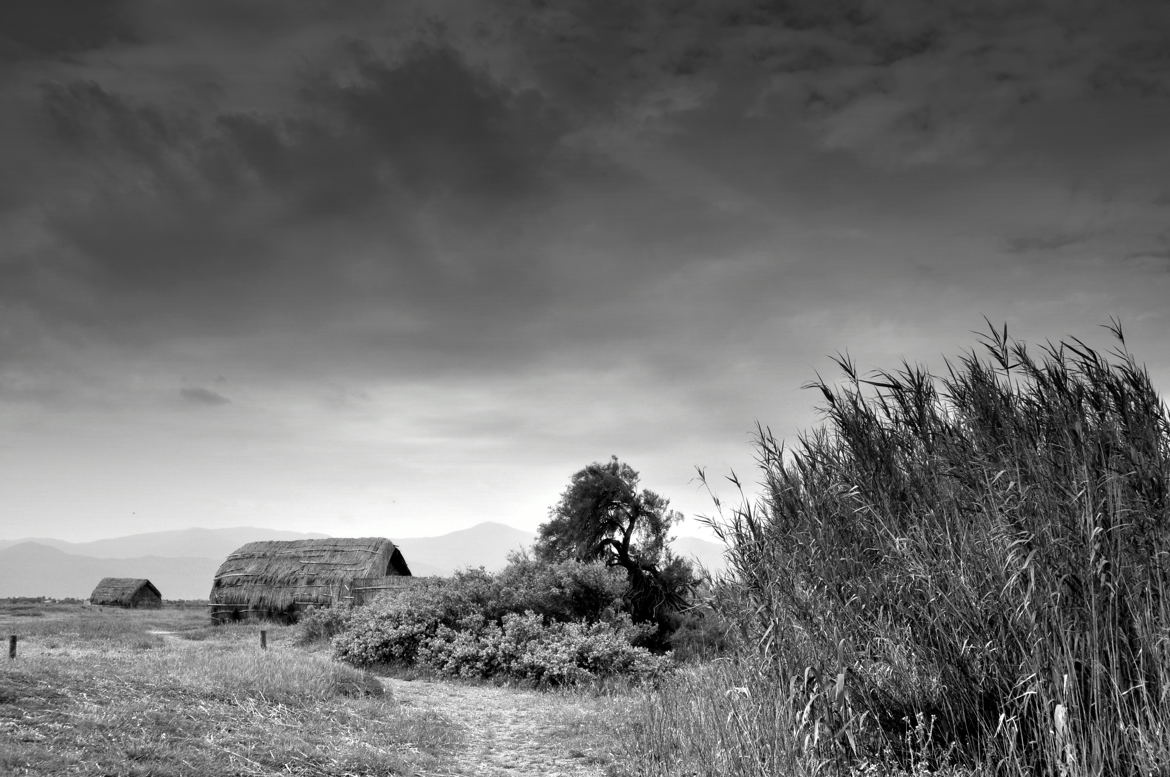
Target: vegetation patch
x=483, y=626
x=599, y=601
x=75, y=704
x=956, y=572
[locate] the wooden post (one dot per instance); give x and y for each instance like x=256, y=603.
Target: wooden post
x=12, y=647
x=263, y=639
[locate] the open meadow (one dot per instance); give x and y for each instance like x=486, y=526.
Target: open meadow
x=103, y=691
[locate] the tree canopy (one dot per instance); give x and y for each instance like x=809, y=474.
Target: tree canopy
x=604, y=516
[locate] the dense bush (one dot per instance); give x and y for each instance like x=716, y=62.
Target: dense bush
x=391, y=630
x=528, y=647
x=321, y=624
x=549, y=624
x=974, y=563
x=564, y=590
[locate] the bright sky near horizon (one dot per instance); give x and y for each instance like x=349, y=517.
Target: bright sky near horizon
x=399, y=268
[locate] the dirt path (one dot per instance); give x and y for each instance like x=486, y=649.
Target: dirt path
x=519, y=733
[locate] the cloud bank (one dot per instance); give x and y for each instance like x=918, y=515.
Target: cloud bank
x=451, y=235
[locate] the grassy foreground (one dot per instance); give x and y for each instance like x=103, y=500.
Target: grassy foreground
x=98, y=691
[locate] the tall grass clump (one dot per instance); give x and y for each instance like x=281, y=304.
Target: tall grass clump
x=984, y=550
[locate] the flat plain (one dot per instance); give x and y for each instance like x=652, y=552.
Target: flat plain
x=107, y=691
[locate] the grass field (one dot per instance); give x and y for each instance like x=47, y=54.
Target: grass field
x=106, y=691
x=96, y=691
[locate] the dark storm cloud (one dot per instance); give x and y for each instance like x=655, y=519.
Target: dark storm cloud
x=182, y=199
x=411, y=205
x=91, y=120
x=199, y=395
x=49, y=29
x=457, y=186
x=940, y=83
x=372, y=195
x=445, y=128
x=1029, y=244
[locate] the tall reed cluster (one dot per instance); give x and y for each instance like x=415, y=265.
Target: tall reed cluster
x=975, y=561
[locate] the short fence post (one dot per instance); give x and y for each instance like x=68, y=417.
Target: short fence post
x=263, y=639
x=12, y=647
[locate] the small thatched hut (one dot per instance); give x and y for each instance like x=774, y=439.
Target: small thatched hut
x=277, y=579
x=126, y=592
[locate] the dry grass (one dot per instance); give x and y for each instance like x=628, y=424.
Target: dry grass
x=960, y=569
x=738, y=717
x=95, y=692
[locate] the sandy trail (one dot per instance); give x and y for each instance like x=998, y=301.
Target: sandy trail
x=518, y=733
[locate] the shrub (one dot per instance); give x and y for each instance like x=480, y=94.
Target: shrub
x=523, y=646
x=386, y=634
x=564, y=590
x=479, y=625
x=568, y=653
x=321, y=624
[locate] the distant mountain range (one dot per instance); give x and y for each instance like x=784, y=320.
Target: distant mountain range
x=201, y=543
x=34, y=569
x=182, y=563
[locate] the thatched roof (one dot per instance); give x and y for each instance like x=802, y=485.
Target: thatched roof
x=280, y=576
x=124, y=591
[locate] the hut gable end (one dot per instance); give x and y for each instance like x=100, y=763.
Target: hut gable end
x=277, y=579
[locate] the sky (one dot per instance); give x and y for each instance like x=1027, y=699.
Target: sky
x=396, y=269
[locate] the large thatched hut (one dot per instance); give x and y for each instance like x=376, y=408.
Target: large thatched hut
x=277, y=579
x=126, y=592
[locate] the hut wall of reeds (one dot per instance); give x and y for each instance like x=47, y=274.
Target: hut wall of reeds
x=364, y=590
x=126, y=592
x=278, y=579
